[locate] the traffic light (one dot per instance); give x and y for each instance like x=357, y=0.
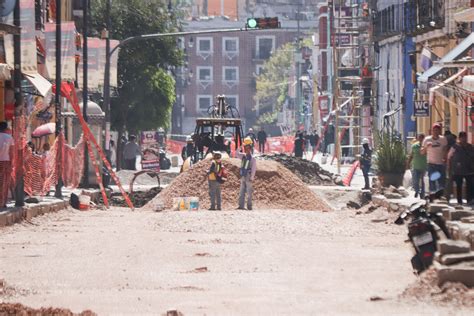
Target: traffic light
x=262, y=23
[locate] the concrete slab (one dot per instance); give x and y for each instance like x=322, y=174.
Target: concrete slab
x=453, y=246
x=461, y=272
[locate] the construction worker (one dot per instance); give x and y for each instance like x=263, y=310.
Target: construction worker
x=248, y=168
x=366, y=162
x=214, y=179
x=299, y=145
x=188, y=150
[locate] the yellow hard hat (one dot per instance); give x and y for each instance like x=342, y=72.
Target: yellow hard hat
x=248, y=141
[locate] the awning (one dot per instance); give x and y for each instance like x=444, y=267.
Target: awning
x=465, y=15
x=445, y=82
x=456, y=52
x=42, y=85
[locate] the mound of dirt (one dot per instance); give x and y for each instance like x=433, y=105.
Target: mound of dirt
x=275, y=187
x=19, y=309
x=426, y=289
x=308, y=171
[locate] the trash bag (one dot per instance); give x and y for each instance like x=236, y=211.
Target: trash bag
x=74, y=201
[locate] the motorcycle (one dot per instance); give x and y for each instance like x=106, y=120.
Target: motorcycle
x=424, y=230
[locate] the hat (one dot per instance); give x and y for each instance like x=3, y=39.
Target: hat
x=365, y=141
x=437, y=124
x=189, y=139
x=248, y=141
x=216, y=153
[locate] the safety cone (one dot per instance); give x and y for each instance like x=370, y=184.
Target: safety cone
x=348, y=179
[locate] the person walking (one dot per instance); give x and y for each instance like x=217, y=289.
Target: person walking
x=6, y=158
x=299, y=145
x=418, y=165
x=248, y=168
x=130, y=152
x=262, y=139
x=366, y=162
x=188, y=149
x=461, y=166
x=214, y=180
x=434, y=147
x=314, y=144
x=113, y=154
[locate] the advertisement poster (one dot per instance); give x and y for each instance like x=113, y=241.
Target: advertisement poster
x=150, y=150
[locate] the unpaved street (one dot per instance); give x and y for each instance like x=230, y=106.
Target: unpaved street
x=211, y=263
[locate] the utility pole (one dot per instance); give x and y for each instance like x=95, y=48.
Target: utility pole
x=298, y=107
x=85, y=96
x=108, y=26
x=19, y=189
x=57, y=100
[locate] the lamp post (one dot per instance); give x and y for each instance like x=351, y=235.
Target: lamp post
x=57, y=100
x=106, y=36
x=85, y=96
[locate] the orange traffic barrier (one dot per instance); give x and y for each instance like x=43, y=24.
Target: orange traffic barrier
x=348, y=179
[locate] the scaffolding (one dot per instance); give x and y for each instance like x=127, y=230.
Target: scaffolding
x=353, y=86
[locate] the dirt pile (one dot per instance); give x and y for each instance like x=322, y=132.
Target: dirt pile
x=275, y=187
x=308, y=171
x=19, y=309
x=426, y=289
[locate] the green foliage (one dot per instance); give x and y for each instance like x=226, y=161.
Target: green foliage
x=391, y=154
x=146, y=89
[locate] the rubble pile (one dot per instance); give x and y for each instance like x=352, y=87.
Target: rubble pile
x=427, y=289
x=275, y=187
x=19, y=309
x=310, y=172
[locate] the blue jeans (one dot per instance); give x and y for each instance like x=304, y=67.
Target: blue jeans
x=419, y=182
x=438, y=185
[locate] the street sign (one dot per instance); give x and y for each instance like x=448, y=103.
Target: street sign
x=421, y=108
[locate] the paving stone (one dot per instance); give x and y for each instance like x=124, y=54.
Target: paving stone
x=457, y=215
x=453, y=246
x=393, y=195
x=3, y=219
x=453, y=258
x=436, y=207
x=461, y=272
x=468, y=220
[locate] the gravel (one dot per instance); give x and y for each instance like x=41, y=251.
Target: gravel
x=19, y=309
x=308, y=171
x=275, y=187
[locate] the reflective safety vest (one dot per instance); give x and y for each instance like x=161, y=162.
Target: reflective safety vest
x=245, y=166
x=217, y=170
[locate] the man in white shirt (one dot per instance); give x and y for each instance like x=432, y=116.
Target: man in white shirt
x=6, y=157
x=435, y=148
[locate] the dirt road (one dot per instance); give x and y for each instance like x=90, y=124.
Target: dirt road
x=211, y=263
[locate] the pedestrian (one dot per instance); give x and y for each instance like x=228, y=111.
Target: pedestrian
x=188, y=150
x=366, y=162
x=262, y=140
x=6, y=158
x=418, y=165
x=248, y=168
x=113, y=153
x=130, y=152
x=434, y=147
x=215, y=178
x=252, y=136
x=299, y=145
x=315, y=143
x=448, y=190
x=461, y=166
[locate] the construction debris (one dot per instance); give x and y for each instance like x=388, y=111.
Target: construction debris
x=19, y=309
x=275, y=187
x=138, y=198
x=310, y=172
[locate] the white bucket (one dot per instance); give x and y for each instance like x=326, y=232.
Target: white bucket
x=84, y=202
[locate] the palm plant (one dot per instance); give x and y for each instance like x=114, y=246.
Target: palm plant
x=390, y=154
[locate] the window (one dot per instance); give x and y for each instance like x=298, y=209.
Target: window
x=204, y=74
x=204, y=47
x=203, y=102
x=231, y=74
x=265, y=46
x=230, y=46
x=232, y=100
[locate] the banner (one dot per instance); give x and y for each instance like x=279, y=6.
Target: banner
x=93, y=45
x=150, y=150
x=68, y=50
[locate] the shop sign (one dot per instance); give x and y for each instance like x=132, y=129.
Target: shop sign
x=422, y=108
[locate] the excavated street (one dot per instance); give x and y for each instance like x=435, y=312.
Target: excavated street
x=211, y=263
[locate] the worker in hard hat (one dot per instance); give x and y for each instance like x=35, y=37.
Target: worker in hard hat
x=252, y=136
x=215, y=178
x=366, y=162
x=248, y=168
x=188, y=149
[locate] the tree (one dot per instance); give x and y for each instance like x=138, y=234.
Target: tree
x=273, y=83
x=146, y=89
